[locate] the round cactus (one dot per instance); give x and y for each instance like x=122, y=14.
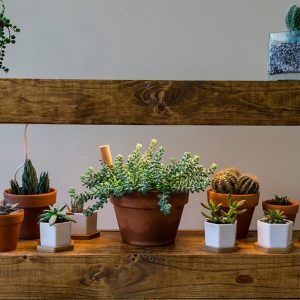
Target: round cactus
x=225, y=183
x=292, y=19
x=234, y=171
x=247, y=184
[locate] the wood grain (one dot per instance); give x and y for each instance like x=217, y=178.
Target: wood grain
x=150, y=102
x=107, y=268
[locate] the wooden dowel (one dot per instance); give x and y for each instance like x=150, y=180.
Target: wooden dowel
x=106, y=155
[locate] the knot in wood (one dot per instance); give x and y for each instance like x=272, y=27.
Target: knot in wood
x=244, y=279
x=97, y=276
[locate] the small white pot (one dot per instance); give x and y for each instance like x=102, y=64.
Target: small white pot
x=274, y=235
x=220, y=235
x=84, y=225
x=56, y=235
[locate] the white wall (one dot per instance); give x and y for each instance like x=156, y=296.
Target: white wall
x=149, y=39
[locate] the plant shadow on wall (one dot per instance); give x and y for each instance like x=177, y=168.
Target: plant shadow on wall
x=7, y=34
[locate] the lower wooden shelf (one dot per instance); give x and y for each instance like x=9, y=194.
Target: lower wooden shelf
x=107, y=268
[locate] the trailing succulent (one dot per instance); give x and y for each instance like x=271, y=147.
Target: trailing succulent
x=54, y=215
x=31, y=185
x=219, y=216
x=7, y=34
x=230, y=181
x=280, y=200
x=275, y=217
x=144, y=172
x=6, y=208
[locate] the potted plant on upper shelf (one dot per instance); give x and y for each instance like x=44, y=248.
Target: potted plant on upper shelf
x=284, y=49
x=288, y=206
x=11, y=218
x=33, y=196
x=241, y=187
x=7, y=34
x=148, y=196
x=220, y=226
x=274, y=233
x=55, y=227
x=85, y=226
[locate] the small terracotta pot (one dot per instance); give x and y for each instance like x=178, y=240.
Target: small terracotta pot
x=140, y=221
x=9, y=230
x=33, y=206
x=243, y=220
x=289, y=210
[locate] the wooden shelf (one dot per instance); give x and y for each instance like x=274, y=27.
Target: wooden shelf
x=107, y=268
x=150, y=102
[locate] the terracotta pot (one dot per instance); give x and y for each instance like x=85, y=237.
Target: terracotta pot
x=33, y=206
x=289, y=210
x=244, y=219
x=140, y=221
x=9, y=230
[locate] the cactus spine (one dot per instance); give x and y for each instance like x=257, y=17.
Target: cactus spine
x=248, y=184
x=292, y=19
x=225, y=183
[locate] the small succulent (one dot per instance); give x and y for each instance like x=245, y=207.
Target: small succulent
x=292, y=19
x=55, y=215
x=31, y=185
x=230, y=181
x=6, y=208
x=220, y=216
x=77, y=201
x=275, y=217
x=280, y=200
x=7, y=34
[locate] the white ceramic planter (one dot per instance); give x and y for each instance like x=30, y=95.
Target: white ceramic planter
x=274, y=235
x=84, y=225
x=56, y=235
x=220, y=235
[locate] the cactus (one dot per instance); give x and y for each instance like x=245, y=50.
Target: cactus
x=30, y=183
x=292, y=19
x=6, y=208
x=234, y=171
x=247, y=184
x=280, y=200
x=225, y=182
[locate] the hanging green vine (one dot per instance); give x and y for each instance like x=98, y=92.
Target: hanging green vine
x=7, y=34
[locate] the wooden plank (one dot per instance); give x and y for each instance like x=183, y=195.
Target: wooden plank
x=107, y=268
x=150, y=102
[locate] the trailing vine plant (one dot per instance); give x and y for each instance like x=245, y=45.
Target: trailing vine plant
x=7, y=34
x=144, y=172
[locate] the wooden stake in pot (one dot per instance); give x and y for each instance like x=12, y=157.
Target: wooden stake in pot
x=106, y=155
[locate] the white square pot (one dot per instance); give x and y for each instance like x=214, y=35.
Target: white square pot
x=84, y=225
x=220, y=235
x=56, y=235
x=274, y=235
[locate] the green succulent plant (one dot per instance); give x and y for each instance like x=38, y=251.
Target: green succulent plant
x=31, y=185
x=144, y=172
x=230, y=181
x=6, y=208
x=77, y=201
x=7, y=34
x=292, y=19
x=280, y=200
x=55, y=215
x=275, y=217
x=220, y=216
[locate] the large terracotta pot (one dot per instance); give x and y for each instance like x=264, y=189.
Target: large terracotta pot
x=9, y=230
x=140, y=221
x=33, y=206
x=289, y=210
x=243, y=220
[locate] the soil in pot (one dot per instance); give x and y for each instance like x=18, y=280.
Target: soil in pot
x=243, y=220
x=33, y=206
x=289, y=210
x=10, y=226
x=140, y=221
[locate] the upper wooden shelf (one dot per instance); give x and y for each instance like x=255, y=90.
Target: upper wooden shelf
x=150, y=102
x=107, y=268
